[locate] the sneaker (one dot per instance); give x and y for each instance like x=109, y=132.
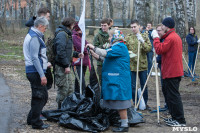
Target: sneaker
x=175, y=123
x=43, y=118
x=167, y=120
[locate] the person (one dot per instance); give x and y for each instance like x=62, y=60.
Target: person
x=172, y=70
x=100, y=39
x=150, y=53
x=63, y=52
x=111, y=22
x=158, y=59
x=192, y=42
x=34, y=50
x=132, y=43
x=116, y=78
x=43, y=11
x=77, y=37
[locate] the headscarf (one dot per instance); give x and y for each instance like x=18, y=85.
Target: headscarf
x=76, y=27
x=118, y=36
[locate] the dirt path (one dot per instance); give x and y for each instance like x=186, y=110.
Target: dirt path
x=5, y=105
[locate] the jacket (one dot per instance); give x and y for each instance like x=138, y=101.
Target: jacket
x=63, y=47
x=99, y=40
x=171, y=52
x=116, y=76
x=150, y=38
x=192, y=42
x=76, y=37
x=132, y=44
x=34, y=50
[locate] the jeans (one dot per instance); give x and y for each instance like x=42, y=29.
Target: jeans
x=149, y=60
x=173, y=97
x=192, y=57
x=143, y=78
x=38, y=100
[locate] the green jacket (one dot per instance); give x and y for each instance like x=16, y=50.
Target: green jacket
x=99, y=40
x=132, y=45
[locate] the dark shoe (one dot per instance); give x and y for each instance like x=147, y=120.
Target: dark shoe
x=120, y=129
x=148, y=108
x=44, y=126
x=43, y=118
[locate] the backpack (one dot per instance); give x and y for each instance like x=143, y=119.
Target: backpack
x=51, y=50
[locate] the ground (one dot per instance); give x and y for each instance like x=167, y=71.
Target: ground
x=12, y=68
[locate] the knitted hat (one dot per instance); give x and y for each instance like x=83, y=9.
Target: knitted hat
x=168, y=22
x=76, y=27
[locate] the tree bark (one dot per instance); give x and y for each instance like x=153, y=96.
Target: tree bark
x=124, y=12
x=140, y=11
x=190, y=13
x=110, y=8
x=92, y=16
x=52, y=16
x=133, y=11
x=180, y=21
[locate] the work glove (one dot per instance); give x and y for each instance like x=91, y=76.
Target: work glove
x=139, y=37
x=154, y=34
x=198, y=41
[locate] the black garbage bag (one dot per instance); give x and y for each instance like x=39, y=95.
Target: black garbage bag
x=91, y=124
x=134, y=117
x=53, y=115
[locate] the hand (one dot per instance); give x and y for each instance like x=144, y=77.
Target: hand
x=81, y=55
x=96, y=56
x=198, y=41
x=49, y=64
x=43, y=81
x=90, y=46
x=154, y=34
x=139, y=37
x=67, y=70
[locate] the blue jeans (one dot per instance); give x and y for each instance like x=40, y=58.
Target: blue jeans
x=143, y=78
x=192, y=57
x=149, y=60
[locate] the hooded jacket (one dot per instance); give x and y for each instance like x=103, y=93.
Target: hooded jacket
x=192, y=42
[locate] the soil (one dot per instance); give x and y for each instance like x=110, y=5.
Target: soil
x=20, y=91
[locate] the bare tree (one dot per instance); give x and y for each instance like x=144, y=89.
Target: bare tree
x=63, y=8
x=69, y=5
x=124, y=12
x=3, y=26
x=172, y=5
x=139, y=11
x=180, y=21
x=110, y=8
x=147, y=11
x=52, y=17
x=133, y=11
x=92, y=16
x=100, y=9
x=190, y=12
x=155, y=12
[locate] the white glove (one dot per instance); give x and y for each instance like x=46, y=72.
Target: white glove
x=198, y=41
x=154, y=34
x=139, y=37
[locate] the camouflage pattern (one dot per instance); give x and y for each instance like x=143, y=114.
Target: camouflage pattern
x=132, y=45
x=64, y=82
x=99, y=40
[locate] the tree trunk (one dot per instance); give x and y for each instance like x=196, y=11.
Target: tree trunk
x=63, y=8
x=172, y=6
x=190, y=12
x=147, y=10
x=15, y=9
x=180, y=21
x=69, y=5
x=155, y=10
x=160, y=18
x=124, y=12
x=133, y=11
x=92, y=16
x=110, y=8
x=52, y=17
x=140, y=11
x=107, y=9
x=100, y=9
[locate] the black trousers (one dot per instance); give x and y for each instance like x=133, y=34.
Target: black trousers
x=38, y=100
x=173, y=98
x=77, y=87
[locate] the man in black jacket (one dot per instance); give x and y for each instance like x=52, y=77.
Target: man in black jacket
x=64, y=52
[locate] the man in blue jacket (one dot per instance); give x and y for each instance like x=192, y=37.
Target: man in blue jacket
x=34, y=50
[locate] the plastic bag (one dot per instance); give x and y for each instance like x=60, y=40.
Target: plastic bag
x=142, y=105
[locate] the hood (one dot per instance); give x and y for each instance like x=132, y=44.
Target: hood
x=63, y=28
x=103, y=33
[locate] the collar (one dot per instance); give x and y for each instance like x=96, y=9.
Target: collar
x=166, y=34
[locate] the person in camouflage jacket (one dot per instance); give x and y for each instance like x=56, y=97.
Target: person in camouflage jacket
x=145, y=46
x=100, y=41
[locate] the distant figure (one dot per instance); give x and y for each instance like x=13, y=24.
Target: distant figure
x=150, y=53
x=192, y=41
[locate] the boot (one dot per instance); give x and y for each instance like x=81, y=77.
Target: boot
x=120, y=129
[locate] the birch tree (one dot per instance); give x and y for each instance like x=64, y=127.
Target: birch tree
x=180, y=21
x=110, y=8
x=69, y=5
x=172, y=7
x=155, y=12
x=124, y=12
x=63, y=8
x=161, y=10
x=52, y=16
x=92, y=16
x=101, y=3
x=139, y=11
x=190, y=12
